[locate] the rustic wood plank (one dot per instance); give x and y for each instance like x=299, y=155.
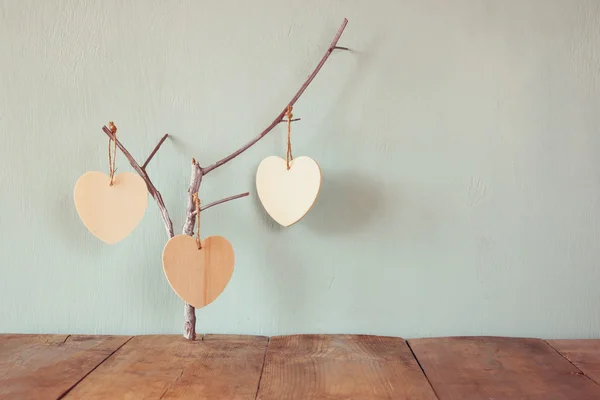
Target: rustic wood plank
x=341, y=367
x=47, y=366
x=475, y=368
x=171, y=367
x=584, y=354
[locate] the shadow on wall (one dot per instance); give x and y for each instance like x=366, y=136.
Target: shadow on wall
x=349, y=200
x=347, y=203
x=265, y=219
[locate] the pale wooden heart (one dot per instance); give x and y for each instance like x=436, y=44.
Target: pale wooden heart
x=110, y=212
x=198, y=276
x=288, y=195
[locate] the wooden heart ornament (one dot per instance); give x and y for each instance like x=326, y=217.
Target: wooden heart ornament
x=288, y=194
x=110, y=212
x=198, y=276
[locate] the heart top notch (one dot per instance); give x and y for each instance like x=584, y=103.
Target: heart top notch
x=288, y=194
x=110, y=212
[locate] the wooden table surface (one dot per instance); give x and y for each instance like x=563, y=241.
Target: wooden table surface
x=297, y=367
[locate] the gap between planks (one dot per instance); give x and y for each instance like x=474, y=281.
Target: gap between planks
x=421, y=367
x=472, y=367
x=62, y=396
x=574, y=364
x=569, y=361
x=262, y=368
x=576, y=367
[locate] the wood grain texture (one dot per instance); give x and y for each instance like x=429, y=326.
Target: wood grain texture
x=341, y=367
x=475, y=368
x=198, y=276
x=47, y=366
x=171, y=367
x=110, y=213
x=288, y=195
x=584, y=354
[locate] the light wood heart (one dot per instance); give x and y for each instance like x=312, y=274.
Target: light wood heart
x=288, y=195
x=111, y=212
x=198, y=276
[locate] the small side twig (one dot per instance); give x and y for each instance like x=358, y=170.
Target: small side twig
x=151, y=188
x=292, y=120
x=155, y=150
x=215, y=203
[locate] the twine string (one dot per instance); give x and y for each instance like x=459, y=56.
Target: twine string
x=288, y=155
x=112, y=153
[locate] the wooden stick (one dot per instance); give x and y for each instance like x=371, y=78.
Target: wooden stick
x=214, y=203
x=279, y=118
x=199, y=172
x=151, y=188
x=155, y=150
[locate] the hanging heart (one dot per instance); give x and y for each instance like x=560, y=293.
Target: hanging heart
x=110, y=212
x=288, y=194
x=198, y=276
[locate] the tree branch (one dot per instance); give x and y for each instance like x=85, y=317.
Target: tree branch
x=279, y=118
x=195, y=181
x=199, y=172
x=214, y=203
x=154, y=151
x=151, y=188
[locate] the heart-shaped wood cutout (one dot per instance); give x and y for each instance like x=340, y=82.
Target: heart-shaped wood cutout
x=110, y=212
x=198, y=276
x=288, y=195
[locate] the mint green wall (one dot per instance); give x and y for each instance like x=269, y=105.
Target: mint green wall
x=459, y=142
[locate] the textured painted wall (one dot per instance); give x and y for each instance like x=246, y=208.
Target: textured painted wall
x=460, y=146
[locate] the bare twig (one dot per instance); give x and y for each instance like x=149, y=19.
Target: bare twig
x=154, y=151
x=279, y=118
x=292, y=120
x=151, y=188
x=214, y=203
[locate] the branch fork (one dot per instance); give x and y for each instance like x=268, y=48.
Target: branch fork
x=198, y=172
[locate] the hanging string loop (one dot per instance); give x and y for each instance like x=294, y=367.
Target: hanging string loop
x=112, y=153
x=288, y=155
